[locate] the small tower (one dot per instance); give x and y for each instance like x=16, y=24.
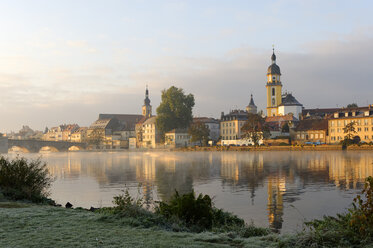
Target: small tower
x=147, y=108
x=251, y=108
x=274, y=87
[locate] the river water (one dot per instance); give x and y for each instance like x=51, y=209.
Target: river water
x=271, y=189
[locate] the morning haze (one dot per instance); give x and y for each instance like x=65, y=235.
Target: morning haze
x=67, y=62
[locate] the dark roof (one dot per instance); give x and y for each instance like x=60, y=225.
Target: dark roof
x=289, y=100
x=313, y=124
x=252, y=101
x=273, y=69
x=128, y=121
x=235, y=115
x=328, y=112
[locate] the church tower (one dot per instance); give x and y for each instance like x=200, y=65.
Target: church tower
x=147, y=108
x=274, y=87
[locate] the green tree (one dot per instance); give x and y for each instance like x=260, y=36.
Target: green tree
x=175, y=110
x=352, y=105
x=285, y=128
x=255, y=128
x=350, y=130
x=199, y=132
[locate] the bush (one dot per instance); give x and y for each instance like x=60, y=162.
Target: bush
x=362, y=212
x=21, y=179
x=194, y=211
x=352, y=229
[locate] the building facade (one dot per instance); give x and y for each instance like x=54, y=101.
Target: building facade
x=177, y=138
x=230, y=126
x=312, y=131
x=361, y=116
x=150, y=136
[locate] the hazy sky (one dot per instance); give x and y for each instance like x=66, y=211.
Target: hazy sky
x=68, y=61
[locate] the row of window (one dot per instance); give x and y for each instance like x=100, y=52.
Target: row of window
x=337, y=138
x=359, y=129
x=359, y=122
x=148, y=136
x=311, y=136
x=229, y=131
x=229, y=137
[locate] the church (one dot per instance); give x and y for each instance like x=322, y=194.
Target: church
x=279, y=104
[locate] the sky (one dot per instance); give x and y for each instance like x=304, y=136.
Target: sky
x=67, y=61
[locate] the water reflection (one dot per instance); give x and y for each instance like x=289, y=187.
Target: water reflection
x=276, y=189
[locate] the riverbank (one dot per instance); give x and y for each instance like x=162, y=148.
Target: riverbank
x=30, y=225
x=277, y=148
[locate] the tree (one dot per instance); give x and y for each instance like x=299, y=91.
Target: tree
x=199, y=132
x=349, y=130
x=175, y=110
x=255, y=128
x=96, y=137
x=352, y=105
x=285, y=128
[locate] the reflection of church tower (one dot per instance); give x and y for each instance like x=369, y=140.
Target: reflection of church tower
x=147, y=108
x=274, y=87
x=251, y=108
x=276, y=188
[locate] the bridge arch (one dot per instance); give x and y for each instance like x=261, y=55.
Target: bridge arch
x=46, y=149
x=75, y=148
x=18, y=149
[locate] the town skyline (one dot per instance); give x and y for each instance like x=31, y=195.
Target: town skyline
x=66, y=74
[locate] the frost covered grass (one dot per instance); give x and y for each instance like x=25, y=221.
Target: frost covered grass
x=46, y=226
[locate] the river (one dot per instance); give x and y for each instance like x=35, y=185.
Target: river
x=271, y=189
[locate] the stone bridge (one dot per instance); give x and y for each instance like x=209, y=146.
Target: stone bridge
x=37, y=145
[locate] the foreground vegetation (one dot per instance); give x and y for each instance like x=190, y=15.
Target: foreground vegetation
x=185, y=221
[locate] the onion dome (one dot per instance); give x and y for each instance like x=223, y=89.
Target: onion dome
x=274, y=68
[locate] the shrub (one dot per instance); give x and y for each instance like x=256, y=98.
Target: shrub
x=194, y=211
x=362, y=212
x=352, y=229
x=21, y=179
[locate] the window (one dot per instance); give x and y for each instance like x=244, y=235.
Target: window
x=316, y=136
x=366, y=129
x=273, y=101
x=273, y=91
x=359, y=129
x=321, y=135
x=311, y=135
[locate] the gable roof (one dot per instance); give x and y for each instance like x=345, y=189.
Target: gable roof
x=312, y=124
x=128, y=121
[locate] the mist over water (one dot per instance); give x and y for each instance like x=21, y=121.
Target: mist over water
x=276, y=189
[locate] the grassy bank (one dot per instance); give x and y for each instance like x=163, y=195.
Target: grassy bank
x=29, y=225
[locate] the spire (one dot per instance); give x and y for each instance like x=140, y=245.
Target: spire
x=251, y=108
x=251, y=101
x=273, y=57
x=147, y=100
